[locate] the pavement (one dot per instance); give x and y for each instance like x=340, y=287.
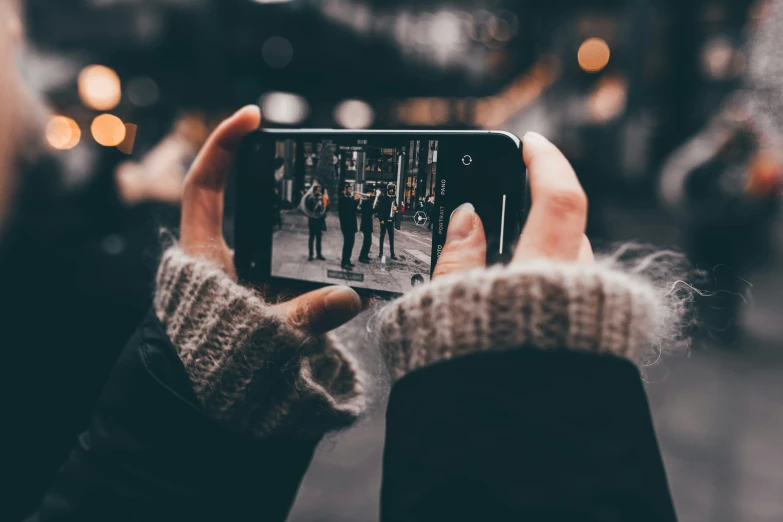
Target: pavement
x=412, y=245
x=717, y=412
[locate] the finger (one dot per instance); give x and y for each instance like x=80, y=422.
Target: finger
x=586, y=254
x=322, y=310
x=558, y=214
x=466, y=244
x=202, y=201
x=212, y=165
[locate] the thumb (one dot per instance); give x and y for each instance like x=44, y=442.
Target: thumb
x=466, y=244
x=322, y=310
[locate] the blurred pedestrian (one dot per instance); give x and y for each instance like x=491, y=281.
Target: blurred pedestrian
x=723, y=184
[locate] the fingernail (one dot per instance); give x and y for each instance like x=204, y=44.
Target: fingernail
x=250, y=106
x=533, y=138
x=344, y=298
x=255, y=108
x=461, y=222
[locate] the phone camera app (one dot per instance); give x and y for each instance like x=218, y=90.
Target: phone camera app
x=352, y=212
x=467, y=160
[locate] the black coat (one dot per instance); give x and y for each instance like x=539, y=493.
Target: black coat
x=525, y=435
x=519, y=435
x=367, y=211
x=151, y=455
x=315, y=204
x=346, y=209
x=384, y=208
x=430, y=207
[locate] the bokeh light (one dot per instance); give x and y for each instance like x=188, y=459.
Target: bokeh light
x=765, y=173
x=423, y=111
x=503, y=26
x=608, y=99
x=143, y=91
x=354, y=114
x=478, y=26
x=716, y=58
x=63, y=133
x=99, y=87
x=593, y=54
x=445, y=29
x=108, y=130
x=495, y=112
x=284, y=107
x=277, y=52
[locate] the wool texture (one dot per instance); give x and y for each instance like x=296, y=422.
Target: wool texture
x=541, y=305
x=251, y=369
x=256, y=372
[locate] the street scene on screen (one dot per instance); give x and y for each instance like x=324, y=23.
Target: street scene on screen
x=355, y=213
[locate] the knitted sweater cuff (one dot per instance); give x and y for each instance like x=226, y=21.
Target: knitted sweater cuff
x=250, y=368
x=541, y=304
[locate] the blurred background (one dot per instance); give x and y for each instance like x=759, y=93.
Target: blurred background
x=658, y=105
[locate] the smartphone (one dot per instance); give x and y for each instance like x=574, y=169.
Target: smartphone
x=369, y=209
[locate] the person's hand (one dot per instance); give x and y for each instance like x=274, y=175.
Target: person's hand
x=555, y=227
x=201, y=232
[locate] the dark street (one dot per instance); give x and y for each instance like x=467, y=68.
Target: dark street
x=412, y=245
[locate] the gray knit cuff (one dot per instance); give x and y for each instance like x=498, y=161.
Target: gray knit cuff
x=543, y=305
x=251, y=369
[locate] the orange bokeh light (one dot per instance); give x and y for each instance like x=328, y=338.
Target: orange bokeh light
x=63, y=133
x=108, y=130
x=593, y=54
x=99, y=87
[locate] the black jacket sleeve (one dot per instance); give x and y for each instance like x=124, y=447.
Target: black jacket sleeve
x=150, y=454
x=523, y=435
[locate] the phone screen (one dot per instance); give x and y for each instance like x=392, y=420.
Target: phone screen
x=371, y=210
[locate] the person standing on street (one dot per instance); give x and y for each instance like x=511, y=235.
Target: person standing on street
x=278, y=219
x=366, y=210
x=386, y=209
x=429, y=205
x=316, y=220
x=346, y=210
